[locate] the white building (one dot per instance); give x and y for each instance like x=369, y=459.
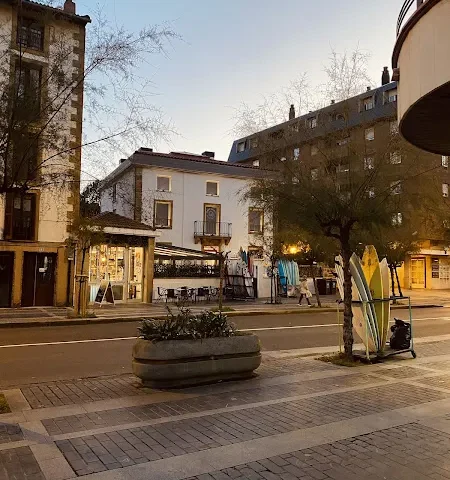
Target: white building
x=194, y=201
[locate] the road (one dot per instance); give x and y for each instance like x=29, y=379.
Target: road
x=29, y=355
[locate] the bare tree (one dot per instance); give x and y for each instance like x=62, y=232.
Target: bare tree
x=35, y=146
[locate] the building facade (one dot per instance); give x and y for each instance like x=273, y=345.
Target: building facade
x=193, y=201
x=42, y=73
x=353, y=134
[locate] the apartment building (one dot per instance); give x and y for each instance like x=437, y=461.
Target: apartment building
x=41, y=79
x=353, y=134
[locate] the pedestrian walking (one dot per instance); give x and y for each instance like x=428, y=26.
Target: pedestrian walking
x=304, y=291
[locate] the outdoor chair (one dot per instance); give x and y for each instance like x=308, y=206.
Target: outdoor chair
x=171, y=294
x=162, y=293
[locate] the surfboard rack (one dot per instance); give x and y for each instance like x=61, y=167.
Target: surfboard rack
x=387, y=352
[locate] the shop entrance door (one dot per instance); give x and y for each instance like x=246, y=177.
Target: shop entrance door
x=418, y=273
x=38, y=282
x=6, y=278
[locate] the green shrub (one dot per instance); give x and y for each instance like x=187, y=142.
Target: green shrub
x=186, y=325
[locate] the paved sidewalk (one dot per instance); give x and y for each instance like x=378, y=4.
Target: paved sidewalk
x=298, y=419
x=42, y=316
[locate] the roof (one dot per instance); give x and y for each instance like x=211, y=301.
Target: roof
x=168, y=251
x=113, y=220
x=380, y=110
x=189, y=162
x=84, y=19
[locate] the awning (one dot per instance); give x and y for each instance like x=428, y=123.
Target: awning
x=168, y=252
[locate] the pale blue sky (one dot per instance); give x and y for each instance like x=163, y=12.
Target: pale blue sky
x=238, y=50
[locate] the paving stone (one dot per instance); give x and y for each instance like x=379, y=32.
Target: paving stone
x=70, y=392
x=209, y=430
x=19, y=464
x=122, y=416
x=417, y=441
x=10, y=432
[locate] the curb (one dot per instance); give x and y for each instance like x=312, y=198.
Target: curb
x=244, y=313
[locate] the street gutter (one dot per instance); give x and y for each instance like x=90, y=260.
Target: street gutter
x=107, y=320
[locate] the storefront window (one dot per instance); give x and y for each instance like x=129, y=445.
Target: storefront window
x=135, y=273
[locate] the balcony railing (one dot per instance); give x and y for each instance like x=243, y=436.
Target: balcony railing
x=212, y=229
x=405, y=10
x=186, y=271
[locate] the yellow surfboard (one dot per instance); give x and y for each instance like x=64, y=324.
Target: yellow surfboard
x=372, y=272
x=384, y=268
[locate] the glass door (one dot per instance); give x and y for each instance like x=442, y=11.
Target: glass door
x=135, y=273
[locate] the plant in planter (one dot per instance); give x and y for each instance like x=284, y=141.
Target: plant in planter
x=189, y=349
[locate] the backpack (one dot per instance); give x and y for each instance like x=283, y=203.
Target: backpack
x=401, y=335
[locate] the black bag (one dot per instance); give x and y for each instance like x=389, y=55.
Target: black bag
x=401, y=335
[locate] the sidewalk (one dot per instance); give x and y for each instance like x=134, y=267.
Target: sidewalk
x=298, y=419
x=42, y=316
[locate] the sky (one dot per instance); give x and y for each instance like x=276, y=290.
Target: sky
x=234, y=51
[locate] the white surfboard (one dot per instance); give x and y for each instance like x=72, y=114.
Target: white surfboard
x=365, y=296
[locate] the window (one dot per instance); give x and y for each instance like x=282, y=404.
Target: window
x=393, y=127
x=395, y=158
x=391, y=96
x=445, y=161
x=312, y=122
x=255, y=163
x=163, y=214
x=254, y=142
x=30, y=34
x=397, y=219
x=369, y=163
x=371, y=192
x=163, y=183
x=314, y=150
x=20, y=216
x=25, y=157
x=28, y=85
x=296, y=153
x=212, y=188
x=282, y=159
x=314, y=173
x=240, y=147
x=114, y=193
x=396, y=187
x=368, y=103
x=369, y=134
x=255, y=220
x=445, y=189
x=342, y=168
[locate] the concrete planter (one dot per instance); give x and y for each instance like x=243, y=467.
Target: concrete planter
x=178, y=363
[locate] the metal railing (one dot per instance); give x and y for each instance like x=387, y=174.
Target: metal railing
x=212, y=229
x=405, y=10
x=186, y=271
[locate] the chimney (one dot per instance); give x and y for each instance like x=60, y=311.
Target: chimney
x=332, y=102
x=292, y=112
x=146, y=149
x=69, y=7
x=369, y=89
x=208, y=154
x=122, y=160
x=385, y=76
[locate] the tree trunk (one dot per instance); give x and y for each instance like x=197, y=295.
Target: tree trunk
x=348, y=314
x=319, y=304
x=398, y=282
x=81, y=283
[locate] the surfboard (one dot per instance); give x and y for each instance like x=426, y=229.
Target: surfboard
x=361, y=323
x=365, y=296
x=371, y=268
x=384, y=267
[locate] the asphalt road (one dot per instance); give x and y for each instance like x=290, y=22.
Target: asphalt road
x=29, y=355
